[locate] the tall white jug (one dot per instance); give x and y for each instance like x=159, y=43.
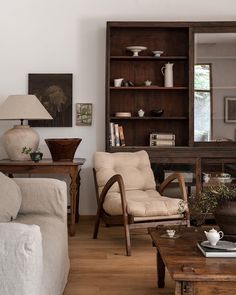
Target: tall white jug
x=167, y=72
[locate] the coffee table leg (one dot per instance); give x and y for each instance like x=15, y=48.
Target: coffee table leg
x=160, y=271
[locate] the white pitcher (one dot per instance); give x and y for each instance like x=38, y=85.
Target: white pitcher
x=167, y=72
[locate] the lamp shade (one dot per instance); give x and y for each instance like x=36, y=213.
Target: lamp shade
x=27, y=107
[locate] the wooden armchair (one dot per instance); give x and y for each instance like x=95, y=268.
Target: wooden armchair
x=126, y=194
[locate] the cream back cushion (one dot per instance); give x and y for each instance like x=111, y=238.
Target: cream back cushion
x=135, y=168
x=10, y=198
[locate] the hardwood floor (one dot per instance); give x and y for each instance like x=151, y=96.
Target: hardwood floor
x=100, y=267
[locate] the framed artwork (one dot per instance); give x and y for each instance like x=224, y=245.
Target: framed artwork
x=55, y=93
x=230, y=109
x=83, y=114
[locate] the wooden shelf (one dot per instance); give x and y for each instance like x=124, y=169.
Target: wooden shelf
x=138, y=58
x=149, y=118
x=148, y=88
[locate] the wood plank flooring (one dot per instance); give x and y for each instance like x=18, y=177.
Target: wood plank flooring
x=100, y=267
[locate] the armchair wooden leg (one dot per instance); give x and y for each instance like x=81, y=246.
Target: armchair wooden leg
x=97, y=223
x=127, y=239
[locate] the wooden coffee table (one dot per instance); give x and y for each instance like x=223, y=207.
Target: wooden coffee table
x=192, y=272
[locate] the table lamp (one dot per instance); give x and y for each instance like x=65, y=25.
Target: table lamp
x=21, y=107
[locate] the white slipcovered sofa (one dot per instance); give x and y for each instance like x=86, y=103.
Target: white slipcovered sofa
x=33, y=236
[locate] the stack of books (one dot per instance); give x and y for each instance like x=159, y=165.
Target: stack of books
x=162, y=139
x=117, y=137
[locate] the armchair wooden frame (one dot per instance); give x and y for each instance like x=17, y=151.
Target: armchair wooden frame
x=128, y=220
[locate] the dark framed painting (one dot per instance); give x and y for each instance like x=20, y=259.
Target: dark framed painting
x=55, y=93
x=230, y=109
x=83, y=114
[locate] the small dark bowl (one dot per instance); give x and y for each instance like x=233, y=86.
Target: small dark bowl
x=36, y=156
x=157, y=112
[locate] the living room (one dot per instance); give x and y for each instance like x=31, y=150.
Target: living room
x=70, y=40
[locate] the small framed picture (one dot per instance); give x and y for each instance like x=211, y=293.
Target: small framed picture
x=230, y=109
x=83, y=114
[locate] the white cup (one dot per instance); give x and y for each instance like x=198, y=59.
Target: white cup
x=118, y=82
x=170, y=233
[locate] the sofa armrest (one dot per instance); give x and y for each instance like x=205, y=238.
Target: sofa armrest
x=43, y=196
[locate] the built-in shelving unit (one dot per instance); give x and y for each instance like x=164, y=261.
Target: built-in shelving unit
x=174, y=42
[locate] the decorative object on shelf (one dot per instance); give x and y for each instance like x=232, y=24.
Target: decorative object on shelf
x=157, y=53
x=55, y=93
x=35, y=156
x=83, y=114
x=221, y=201
x=136, y=49
x=122, y=114
x=118, y=82
x=148, y=83
x=167, y=72
x=63, y=149
x=141, y=113
x=157, y=112
x=216, y=178
x=230, y=110
x=22, y=107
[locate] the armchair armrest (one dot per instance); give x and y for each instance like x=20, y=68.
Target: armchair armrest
x=181, y=182
x=115, y=178
x=43, y=196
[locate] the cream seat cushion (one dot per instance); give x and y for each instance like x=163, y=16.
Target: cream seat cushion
x=142, y=198
x=10, y=198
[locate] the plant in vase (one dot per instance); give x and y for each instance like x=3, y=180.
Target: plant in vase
x=221, y=201
x=35, y=156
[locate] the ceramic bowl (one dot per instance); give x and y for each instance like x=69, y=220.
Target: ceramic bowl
x=157, y=112
x=157, y=53
x=63, y=149
x=136, y=49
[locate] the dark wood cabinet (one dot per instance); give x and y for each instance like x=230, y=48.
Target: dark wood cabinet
x=176, y=40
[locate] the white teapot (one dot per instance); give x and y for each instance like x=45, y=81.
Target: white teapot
x=213, y=236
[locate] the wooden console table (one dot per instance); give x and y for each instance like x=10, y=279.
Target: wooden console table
x=47, y=166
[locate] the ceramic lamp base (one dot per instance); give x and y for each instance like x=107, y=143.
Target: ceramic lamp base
x=15, y=139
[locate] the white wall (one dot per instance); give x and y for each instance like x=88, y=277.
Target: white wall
x=59, y=36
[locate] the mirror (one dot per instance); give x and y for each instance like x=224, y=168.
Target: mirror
x=215, y=87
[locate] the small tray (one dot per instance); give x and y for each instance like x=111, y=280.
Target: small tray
x=168, y=237
x=221, y=245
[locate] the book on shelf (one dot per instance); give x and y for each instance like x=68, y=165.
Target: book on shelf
x=122, y=137
x=159, y=142
x=117, y=135
x=162, y=136
x=208, y=252
x=112, y=134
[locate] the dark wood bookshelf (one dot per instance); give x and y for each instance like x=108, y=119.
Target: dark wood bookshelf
x=176, y=40
x=147, y=88
x=148, y=118
x=153, y=58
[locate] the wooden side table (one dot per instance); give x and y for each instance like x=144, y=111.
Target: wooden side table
x=47, y=166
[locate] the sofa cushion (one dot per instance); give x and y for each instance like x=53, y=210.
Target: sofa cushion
x=10, y=198
x=142, y=204
x=20, y=259
x=134, y=167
